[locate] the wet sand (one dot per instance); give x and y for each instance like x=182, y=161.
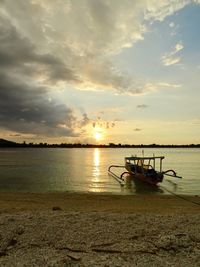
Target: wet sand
x=60, y=229
x=161, y=204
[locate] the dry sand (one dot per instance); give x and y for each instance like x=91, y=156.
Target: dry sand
x=58, y=229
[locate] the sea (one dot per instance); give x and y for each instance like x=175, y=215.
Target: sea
x=85, y=170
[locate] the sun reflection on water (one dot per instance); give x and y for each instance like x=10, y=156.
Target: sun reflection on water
x=96, y=162
x=95, y=183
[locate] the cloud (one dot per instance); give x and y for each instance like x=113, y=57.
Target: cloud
x=171, y=58
x=47, y=45
x=170, y=85
x=19, y=55
x=111, y=110
x=137, y=129
x=158, y=85
x=172, y=24
x=85, y=120
x=25, y=104
x=142, y=106
x=103, y=124
x=168, y=61
x=25, y=109
x=178, y=47
x=15, y=135
x=159, y=10
x=73, y=41
x=174, y=28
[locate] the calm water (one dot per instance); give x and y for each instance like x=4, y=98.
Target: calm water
x=85, y=170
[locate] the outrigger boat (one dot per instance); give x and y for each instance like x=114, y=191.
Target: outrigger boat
x=143, y=168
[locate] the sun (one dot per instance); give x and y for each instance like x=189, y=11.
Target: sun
x=98, y=136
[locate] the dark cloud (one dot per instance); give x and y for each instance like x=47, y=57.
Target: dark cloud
x=26, y=109
x=85, y=120
x=18, y=54
x=142, y=106
x=99, y=123
x=137, y=129
x=24, y=104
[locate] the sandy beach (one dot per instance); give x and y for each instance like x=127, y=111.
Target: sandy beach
x=60, y=229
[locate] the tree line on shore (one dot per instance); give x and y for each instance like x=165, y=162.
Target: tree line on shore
x=6, y=143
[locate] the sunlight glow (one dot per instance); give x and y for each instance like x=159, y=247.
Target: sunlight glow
x=98, y=134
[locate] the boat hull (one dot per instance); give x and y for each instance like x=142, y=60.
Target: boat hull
x=149, y=176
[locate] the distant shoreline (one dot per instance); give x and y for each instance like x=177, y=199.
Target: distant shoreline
x=10, y=144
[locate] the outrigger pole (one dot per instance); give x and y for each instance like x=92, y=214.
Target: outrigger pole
x=118, y=178
x=172, y=175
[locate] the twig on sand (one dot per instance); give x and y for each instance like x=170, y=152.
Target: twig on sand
x=104, y=244
x=108, y=250
x=71, y=249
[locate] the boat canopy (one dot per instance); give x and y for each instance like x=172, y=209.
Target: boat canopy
x=145, y=162
x=143, y=158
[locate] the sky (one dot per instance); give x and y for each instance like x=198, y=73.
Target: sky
x=100, y=71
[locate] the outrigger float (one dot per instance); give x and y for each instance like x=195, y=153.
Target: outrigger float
x=143, y=169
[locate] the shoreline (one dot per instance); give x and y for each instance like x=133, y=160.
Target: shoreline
x=98, y=202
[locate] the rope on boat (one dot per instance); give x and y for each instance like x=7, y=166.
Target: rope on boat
x=179, y=196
